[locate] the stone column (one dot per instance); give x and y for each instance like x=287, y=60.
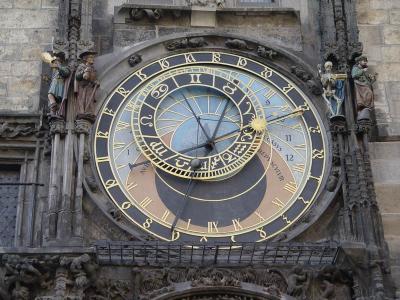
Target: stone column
x=82, y=128
x=57, y=129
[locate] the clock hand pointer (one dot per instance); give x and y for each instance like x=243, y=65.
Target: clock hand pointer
x=217, y=139
x=195, y=164
x=196, y=117
x=294, y=113
x=219, y=123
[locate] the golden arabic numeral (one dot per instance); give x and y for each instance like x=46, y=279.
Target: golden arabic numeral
x=147, y=223
x=126, y=205
x=296, y=127
x=267, y=72
x=287, y=89
x=160, y=91
x=101, y=134
x=123, y=92
x=314, y=129
x=236, y=224
x=164, y=64
x=291, y=187
x=189, y=58
x=109, y=111
x=278, y=203
x=318, y=153
x=304, y=107
x=228, y=88
x=103, y=159
x=195, y=78
x=285, y=218
x=175, y=235
x=242, y=62
x=212, y=226
x=233, y=239
x=110, y=183
x=216, y=57
x=262, y=233
x=141, y=75
x=131, y=106
x=304, y=201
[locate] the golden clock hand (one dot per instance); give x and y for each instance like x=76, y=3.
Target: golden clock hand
x=294, y=113
x=196, y=117
x=219, y=122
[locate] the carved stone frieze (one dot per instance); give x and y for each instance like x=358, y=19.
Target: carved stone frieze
x=12, y=130
x=57, y=126
x=194, y=42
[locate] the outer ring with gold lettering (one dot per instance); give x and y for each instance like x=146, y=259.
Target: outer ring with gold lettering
x=316, y=133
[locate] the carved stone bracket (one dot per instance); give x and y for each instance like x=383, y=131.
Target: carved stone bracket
x=82, y=126
x=57, y=126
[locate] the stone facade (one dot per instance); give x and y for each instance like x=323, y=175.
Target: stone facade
x=61, y=212
x=26, y=28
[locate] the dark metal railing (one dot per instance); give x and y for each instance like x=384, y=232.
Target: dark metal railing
x=132, y=253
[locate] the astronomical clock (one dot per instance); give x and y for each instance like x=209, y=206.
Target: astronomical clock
x=210, y=146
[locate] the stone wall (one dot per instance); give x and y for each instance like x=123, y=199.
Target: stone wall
x=26, y=29
x=379, y=25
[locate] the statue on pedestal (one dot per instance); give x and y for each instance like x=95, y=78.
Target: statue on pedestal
x=334, y=89
x=85, y=87
x=58, y=90
x=363, y=87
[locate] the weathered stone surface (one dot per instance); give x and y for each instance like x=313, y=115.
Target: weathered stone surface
x=391, y=53
x=395, y=16
x=27, y=4
x=51, y=3
x=124, y=38
x=387, y=195
x=5, y=4
x=371, y=35
x=391, y=34
x=21, y=18
x=27, y=86
x=373, y=17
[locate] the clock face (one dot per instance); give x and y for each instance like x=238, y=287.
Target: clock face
x=206, y=146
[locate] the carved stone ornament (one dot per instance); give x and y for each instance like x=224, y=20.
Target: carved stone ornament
x=218, y=3
x=266, y=52
x=82, y=126
x=194, y=42
x=11, y=130
x=57, y=126
x=137, y=14
x=134, y=59
x=306, y=77
x=237, y=44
